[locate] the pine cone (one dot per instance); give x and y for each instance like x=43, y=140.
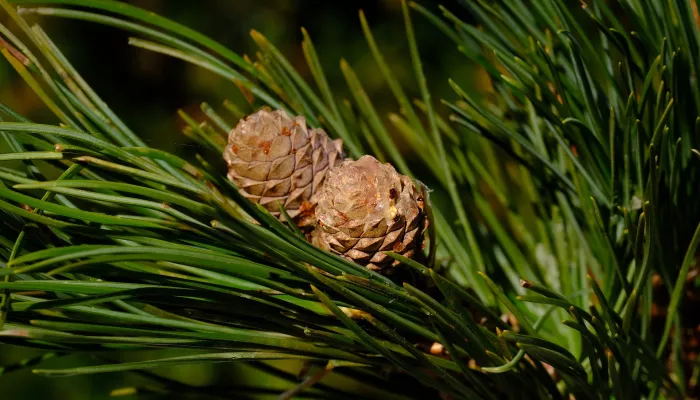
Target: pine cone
x=366, y=207
x=275, y=158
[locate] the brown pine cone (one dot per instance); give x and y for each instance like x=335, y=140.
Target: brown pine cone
x=366, y=207
x=275, y=158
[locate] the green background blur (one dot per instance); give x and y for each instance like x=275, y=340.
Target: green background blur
x=146, y=89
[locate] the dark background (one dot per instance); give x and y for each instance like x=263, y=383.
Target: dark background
x=146, y=89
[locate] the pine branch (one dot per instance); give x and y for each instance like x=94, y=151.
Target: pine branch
x=586, y=191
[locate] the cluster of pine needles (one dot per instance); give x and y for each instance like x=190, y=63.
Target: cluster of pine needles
x=565, y=198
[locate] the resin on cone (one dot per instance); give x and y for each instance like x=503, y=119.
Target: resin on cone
x=276, y=159
x=365, y=208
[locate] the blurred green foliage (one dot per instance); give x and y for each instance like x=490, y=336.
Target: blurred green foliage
x=146, y=89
